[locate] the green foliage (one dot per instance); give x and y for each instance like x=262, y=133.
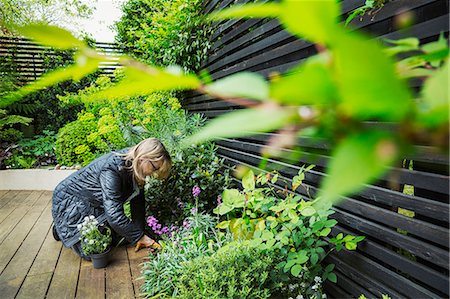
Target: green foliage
x=164, y=32
x=235, y=271
x=370, y=6
x=197, y=165
x=94, y=241
x=290, y=226
x=368, y=90
x=61, y=12
x=31, y=152
x=106, y=125
x=196, y=238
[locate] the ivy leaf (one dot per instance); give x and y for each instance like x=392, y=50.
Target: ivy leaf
x=332, y=277
x=357, y=160
x=350, y=245
x=233, y=198
x=51, y=36
x=295, y=270
x=435, y=99
x=314, y=258
x=243, y=123
x=308, y=211
x=248, y=181
x=241, y=85
x=325, y=232
x=369, y=88
x=310, y=83
x=313, y=20
x=254, y=10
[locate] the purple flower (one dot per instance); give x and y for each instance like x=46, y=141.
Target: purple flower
x=219, y=200
x=194, y=211
x=196, y=191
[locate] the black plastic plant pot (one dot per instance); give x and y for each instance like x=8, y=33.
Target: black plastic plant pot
x=100, y=260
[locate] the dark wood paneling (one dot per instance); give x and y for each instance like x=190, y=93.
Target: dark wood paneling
x=380, y=264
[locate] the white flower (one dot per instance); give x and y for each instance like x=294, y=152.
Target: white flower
x=324, y=296
x=315, y=287
x=105, y=245
x=86, y=240
x=86, y=219
x=317, y=279
x=91, y=242
x=79, y=226
x=92, y=217
x=299, y=297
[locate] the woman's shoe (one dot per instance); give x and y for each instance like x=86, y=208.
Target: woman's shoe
x=55, y=234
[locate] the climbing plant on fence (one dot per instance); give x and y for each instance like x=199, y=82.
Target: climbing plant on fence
x=353, y=80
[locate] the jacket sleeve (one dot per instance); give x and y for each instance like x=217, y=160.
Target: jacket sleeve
x=137, y=208
x=113, y=201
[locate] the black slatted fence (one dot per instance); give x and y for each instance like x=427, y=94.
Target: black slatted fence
x=406, y=253
x=28, y=57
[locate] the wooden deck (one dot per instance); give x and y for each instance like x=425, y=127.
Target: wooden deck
x=34, y=265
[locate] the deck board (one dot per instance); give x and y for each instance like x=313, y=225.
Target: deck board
x=34, y=265
x=15, y=272
x=118, y=276
x=12, y=214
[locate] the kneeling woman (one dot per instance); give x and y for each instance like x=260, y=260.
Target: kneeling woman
x=102, y=187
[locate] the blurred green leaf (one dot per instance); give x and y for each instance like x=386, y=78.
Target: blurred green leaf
x=51, y=36
x=402, y=45
x=357, y=160
x=242, y=85
x=143, y=80
x=369, y=88
x=311, y=19
x=435, y=99
x=309, y=83
x=243, y=123
x=439, y=45
x=254, y=10
x=84, y=67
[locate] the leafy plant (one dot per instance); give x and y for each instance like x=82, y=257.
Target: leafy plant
x=36, y=151
x=369, y=5
x=195, y=238
x=93, y=241
x=337, y=104
x=291, y=226
x=196, y=166
x=235, y=271
x=114, y=124
x=165, y=32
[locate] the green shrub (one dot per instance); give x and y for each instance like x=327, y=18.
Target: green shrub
x=199, y=165
x=73, y=145
x=32, y=152
x=194, y=239
x=164, y=32
x=107, y=125
x=237, y=271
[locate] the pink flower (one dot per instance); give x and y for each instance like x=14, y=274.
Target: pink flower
x=196, y=191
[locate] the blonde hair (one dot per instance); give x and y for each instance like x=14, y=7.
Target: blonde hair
x=152, y=150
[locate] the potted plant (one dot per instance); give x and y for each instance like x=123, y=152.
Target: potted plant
x=95, y=243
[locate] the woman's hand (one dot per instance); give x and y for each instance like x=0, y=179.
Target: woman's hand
x=145, y=241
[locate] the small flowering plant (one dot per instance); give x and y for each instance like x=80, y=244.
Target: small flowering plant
x=93, y=241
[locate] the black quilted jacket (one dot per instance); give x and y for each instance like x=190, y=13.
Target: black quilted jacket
x=100, y=189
